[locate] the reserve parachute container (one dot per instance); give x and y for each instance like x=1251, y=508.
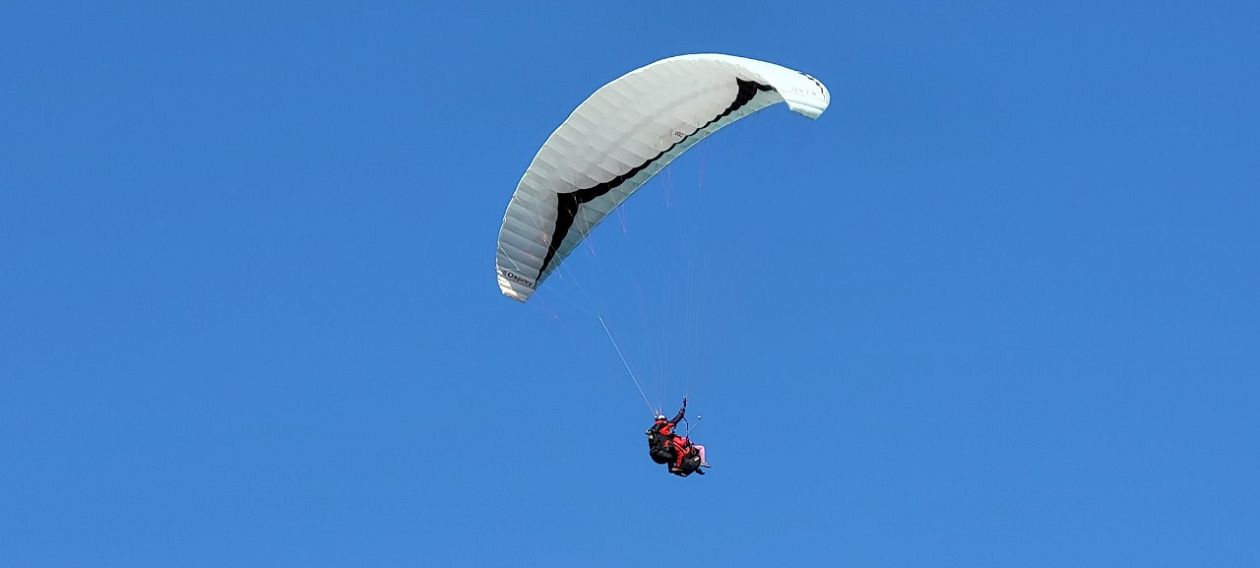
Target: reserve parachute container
x=620, y=137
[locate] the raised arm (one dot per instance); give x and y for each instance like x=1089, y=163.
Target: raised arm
x=681, y=411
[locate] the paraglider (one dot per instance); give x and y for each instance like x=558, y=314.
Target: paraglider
x=615, y=141
x=666, y=446
x=660, y=436
x=620, y=137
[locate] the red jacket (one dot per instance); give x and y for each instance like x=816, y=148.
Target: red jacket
x=682, y=448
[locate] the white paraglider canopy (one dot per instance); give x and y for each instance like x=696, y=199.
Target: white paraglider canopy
x=619, y=138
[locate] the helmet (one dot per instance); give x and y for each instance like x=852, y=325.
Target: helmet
x=660, y=417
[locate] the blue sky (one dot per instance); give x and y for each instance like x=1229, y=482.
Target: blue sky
x=997, y=307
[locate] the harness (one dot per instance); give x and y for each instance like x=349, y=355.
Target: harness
x=661, y=443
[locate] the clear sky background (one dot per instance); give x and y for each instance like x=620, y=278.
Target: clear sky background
x=997, y=307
